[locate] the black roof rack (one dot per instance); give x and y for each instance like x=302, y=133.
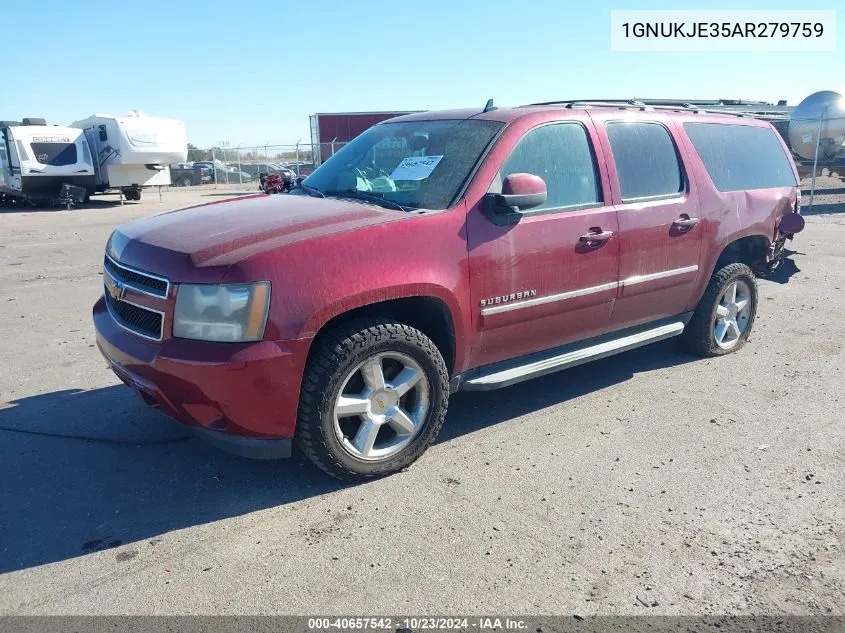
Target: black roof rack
x=736, y=107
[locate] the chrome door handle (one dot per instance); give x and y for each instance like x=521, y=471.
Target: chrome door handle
x=685, y=222
x=596, y=238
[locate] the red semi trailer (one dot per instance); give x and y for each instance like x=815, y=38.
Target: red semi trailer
x=331, y=131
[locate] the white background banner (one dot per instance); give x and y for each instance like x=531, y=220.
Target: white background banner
x=712, y=30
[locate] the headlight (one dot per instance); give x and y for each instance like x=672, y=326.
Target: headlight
x=231, y=313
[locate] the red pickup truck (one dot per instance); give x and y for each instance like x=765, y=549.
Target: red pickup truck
x=438, y=252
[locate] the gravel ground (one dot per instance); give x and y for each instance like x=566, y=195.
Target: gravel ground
x=650, y=483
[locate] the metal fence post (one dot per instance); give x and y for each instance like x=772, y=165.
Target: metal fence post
x=240, y=173
x=297, y=157
x=816, y=158
x=214, y=165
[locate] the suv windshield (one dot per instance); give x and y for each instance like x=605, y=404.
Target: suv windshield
x=415, y=164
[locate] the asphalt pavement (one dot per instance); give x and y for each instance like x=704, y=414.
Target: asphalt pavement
x=649, y=483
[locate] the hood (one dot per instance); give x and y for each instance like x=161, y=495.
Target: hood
x=218, y=234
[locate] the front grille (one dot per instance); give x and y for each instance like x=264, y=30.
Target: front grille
x=143, y=321
x=136, y=279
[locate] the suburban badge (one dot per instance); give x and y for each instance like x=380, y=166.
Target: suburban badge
x=514, y=296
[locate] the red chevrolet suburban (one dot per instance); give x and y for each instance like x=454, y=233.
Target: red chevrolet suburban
x=445, y=251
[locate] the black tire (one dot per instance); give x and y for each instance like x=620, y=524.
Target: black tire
x=699, y=337
x=337, y=354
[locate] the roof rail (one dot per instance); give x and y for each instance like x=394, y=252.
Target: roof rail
x=734, y=107
x=741, y=103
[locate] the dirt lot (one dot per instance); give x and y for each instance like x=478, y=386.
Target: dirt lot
x=650, y=483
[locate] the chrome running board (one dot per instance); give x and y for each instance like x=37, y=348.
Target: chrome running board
x=511, y=372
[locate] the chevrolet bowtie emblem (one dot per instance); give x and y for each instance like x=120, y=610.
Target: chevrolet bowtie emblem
x=115, y=289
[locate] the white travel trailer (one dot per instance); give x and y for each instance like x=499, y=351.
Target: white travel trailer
x=37, y=159
x=134, y=151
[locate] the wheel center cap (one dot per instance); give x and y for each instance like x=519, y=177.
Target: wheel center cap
x=383, y=400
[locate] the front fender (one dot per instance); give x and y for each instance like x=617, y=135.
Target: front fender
x=314, y=281
x=381, y=295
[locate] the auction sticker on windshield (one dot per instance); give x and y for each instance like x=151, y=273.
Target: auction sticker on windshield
x=415, y=167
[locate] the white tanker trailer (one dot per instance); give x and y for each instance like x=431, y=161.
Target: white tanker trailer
x=817, y=133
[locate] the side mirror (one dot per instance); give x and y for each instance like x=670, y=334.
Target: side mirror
x=519, y=193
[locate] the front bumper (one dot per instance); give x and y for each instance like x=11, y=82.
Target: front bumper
x=241, y=397
x=251, y=447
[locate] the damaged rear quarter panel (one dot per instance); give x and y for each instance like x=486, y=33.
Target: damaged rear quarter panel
x=729, y=216
x=733, y=215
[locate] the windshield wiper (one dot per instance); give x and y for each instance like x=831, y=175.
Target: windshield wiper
x=311, y=191
x=367, y=195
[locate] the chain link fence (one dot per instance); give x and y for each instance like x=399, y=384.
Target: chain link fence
x=228, y=165
x=240, y=167
x=829, y=194
x=819, y=158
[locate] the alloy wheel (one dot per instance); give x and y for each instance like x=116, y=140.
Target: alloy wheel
x=381, y=406
x=732, y=314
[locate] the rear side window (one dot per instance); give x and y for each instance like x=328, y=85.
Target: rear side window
x=646, y=160
x=561, y=155
x=741, y=157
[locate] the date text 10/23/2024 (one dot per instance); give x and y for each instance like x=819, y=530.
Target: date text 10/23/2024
x=421, y=623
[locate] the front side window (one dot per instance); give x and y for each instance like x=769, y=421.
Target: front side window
x=414, y=164
x=561, y=155
x=55, y=154
x=741, y=157
x=646, y=160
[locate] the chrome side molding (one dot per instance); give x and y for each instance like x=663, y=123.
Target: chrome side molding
x=506, y=307
x=638, y=279
x=630, y=281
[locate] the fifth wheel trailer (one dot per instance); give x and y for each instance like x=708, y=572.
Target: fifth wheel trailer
x=134, y=151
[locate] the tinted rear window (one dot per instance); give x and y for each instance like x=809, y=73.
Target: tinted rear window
x=740, y=157
x=646, y=160
x=56, y=154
